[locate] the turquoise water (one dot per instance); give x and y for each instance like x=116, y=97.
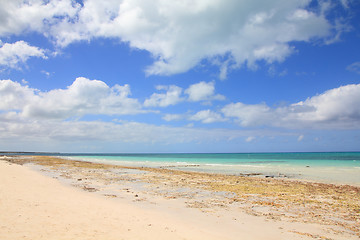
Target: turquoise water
x=315, y=159
x=339, y=167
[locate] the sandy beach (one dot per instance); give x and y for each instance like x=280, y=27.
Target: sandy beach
x=53, y=198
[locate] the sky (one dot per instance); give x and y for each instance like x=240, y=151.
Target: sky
x=138, y=76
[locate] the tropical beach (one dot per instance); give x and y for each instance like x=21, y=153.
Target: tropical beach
x=64, y=199
x=123, y=119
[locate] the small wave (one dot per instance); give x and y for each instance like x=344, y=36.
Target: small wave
x=269, y=161
x=183, y=163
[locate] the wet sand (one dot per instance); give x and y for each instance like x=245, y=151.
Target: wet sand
x=53, y=198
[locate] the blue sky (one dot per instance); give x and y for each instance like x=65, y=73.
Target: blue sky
x=179, y=76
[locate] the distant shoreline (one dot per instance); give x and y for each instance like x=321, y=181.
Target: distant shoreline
x=161, y=153
x=25, y=152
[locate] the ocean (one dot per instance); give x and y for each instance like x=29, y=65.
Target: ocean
x=329, y=167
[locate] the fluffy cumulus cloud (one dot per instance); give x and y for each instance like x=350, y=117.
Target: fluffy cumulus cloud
x=335, y=109
x=203, y=91
x=179, y=34
x=172, y=96
x=249, y=115
x=204, y=116
x=14, y=96
x=17, y=16
x=83, y=97
x=12, y=55
x=207, y=116
x=198, y=92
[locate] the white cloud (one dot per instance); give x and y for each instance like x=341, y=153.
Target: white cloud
x=338, y=105
x=12, y=55
x=179, y=34
x=47, y=74
x=17, y=16
x=83, y=97
x=203, y=91
x=172, y=96
x=173, y=117
x=300, y=138
x=354, y=67
x=250, y=139
x=249, y=115
x=207, y=116
x=14, y=96
x=204, y=116
x=337, y=108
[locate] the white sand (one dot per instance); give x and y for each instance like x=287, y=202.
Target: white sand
x=34, y=206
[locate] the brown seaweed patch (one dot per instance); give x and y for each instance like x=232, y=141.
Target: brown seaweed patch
x=90, y=189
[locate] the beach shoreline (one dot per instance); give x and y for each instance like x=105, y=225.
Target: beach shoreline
x=282, y=208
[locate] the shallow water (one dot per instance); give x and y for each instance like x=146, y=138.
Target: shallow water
x=341, y=168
